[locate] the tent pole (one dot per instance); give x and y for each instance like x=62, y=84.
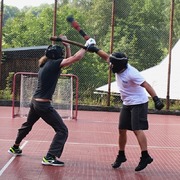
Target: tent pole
x=111, y=50
x=1, y=24
x=170, y=48
x=54, y=19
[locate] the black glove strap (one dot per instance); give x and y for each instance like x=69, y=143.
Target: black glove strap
x=155, y=98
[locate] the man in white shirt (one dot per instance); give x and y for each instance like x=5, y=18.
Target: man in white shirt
x=133, y=116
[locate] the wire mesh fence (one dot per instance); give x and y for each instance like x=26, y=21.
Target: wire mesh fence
x=138, y=28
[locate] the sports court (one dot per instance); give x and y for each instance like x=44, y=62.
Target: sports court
x=90, y=149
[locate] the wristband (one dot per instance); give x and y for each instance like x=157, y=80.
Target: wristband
x=96, y=50
x=155, y=98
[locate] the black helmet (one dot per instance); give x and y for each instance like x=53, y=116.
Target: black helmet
x=119, y=61
x=54, y=52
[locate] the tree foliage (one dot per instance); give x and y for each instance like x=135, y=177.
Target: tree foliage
x=141, y=29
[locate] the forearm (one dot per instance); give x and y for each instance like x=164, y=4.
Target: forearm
x=79, y=55
x=151, y=92
x=68, y=51
x=149, y=89
x=99, y=52
x=76, y=57
x=103, y=55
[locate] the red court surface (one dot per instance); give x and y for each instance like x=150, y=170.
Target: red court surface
x=90, y=149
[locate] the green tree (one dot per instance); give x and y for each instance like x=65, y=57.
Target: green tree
x=27, y=29
x=9, y=12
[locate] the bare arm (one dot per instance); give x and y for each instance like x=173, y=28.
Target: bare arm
x=99, y=52
x=68, y=51
x=103, y=55
x=149, y=89
x=67, y=46
x=72, y=59
x=157, y=102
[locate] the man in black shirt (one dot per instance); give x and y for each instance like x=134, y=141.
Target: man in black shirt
x=50, y=68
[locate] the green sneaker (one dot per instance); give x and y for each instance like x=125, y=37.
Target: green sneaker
x=52, y=161
x=14, y=151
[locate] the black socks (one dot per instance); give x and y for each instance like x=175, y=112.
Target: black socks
x=144, y=154
x=121, y=153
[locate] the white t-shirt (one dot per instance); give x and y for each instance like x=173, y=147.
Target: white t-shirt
x=128, y=83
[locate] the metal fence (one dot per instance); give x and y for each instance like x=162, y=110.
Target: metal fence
x=144, y=30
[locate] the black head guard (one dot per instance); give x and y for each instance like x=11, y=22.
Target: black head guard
x=119, y=61
x=54, y=52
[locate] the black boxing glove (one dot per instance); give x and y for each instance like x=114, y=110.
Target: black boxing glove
x=158, y=103
x=92, y=49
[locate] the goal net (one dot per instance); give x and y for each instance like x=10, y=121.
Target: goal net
x=65, y=98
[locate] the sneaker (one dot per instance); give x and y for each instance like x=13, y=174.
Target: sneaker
x=14, y=151
x=118, y=161
x=143, y=163
x=52, y=161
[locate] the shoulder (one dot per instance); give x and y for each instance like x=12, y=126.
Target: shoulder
x=132, y=69
x=134, y=73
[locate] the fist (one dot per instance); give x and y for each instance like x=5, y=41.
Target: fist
x=63, y=37
x=158, y=103
x=92, y=49
x=89, y=42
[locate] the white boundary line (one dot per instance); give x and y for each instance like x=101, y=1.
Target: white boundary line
x=11, y=160
x=98, y=144
x=88, y=144
x=129, y=145
x=114, y=145
x=108, y=145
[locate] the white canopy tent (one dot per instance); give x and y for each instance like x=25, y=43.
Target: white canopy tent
x=157, y=76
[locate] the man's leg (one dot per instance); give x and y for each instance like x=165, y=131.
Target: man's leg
x=124, y=124
x=141, y=139
x=121, y=155
x=139, y=124
x=23, y=131
x=145, y=157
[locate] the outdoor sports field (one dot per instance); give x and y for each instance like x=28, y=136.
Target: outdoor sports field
x=90, y=149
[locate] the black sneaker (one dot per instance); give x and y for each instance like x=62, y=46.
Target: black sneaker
x=143, y=163
x=52, y=161
x=118, y=161
x=14, y=151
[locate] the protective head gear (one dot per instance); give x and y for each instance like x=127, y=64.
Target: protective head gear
x=54, y=52
x=118, y=61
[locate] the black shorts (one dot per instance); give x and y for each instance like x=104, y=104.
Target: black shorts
x=134, y=117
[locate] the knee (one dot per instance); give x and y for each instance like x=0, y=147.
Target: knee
x=122, y=132
x=25, y=127
x=66, y=132
x=138, y=132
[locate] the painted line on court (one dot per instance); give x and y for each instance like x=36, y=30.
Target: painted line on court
x=11, y=160
x=113, y=145
x=129, y=145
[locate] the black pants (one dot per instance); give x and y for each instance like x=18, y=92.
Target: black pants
x=51, y=117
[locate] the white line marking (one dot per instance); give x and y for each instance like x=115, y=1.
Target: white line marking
x=11, y=160
x=129, y=145
x=108, y=145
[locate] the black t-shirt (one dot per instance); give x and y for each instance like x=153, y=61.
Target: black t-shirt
x=47, y=79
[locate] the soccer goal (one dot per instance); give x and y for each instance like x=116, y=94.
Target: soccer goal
x=65, y=98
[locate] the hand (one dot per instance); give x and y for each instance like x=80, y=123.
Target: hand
x=89, y=42
x=92, y=49
x=158, y=103
x=65, y=38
